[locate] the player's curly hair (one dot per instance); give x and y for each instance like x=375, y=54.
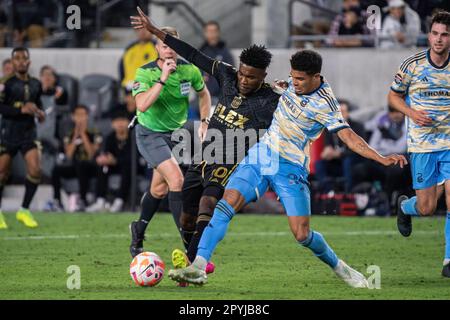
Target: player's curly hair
x=307, y=61
x=256, y=56
x=442, y=17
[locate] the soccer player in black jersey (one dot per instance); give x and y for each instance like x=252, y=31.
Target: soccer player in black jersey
x=245, y=102
x=20, y=105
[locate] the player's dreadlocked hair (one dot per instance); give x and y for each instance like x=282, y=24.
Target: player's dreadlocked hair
x=256, y=56
x=307, y=61
x=442, y=17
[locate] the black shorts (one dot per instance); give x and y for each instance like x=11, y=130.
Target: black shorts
x=23, y=147
x=204, y=180
x=16, y=136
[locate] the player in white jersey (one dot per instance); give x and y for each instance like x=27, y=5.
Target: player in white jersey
x=421, y=90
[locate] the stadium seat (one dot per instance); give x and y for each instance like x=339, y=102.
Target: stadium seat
x=99, y=93
x=70, y=84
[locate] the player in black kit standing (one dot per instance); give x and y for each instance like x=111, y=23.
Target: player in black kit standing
x=20, y=105
x=245, y=102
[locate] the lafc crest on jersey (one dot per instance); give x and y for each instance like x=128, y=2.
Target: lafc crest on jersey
x=236, y=102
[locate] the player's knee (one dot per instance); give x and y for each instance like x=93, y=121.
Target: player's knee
x=175, y=182
x=159, y=191
x=234, y=198
x=426, y=208
x=187, y=221
x=35, y=172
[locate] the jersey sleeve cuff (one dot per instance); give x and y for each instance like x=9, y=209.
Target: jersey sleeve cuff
x=397, y=91
x=203, y=87
x=338, y=129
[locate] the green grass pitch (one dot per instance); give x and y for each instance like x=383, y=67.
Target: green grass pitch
x=258, y=259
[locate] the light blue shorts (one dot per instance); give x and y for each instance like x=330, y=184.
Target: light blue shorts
x=429, y=169
x=262, y=168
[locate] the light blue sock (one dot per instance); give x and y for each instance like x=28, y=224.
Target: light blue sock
x=316, y=242
x=409, y=207
x=216, y=229
x=447, y=236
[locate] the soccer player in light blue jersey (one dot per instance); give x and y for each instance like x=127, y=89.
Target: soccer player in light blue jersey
x=281, y=161
x=421, y=90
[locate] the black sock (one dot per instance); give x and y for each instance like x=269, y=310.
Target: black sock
x=176, y=206
x=202, y=223
x=186, y=235
x=149, y=205
x=1, y=194
x=30, y=190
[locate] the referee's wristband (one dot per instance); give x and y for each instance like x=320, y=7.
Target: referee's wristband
x=206, y=120
x=161, y=82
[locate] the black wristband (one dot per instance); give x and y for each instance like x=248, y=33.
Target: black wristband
x=205, y=120
x=161, y=82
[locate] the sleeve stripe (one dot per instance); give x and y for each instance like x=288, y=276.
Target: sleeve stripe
x=412, y=58
x=203, y=87
x=398, y=91
x=328, y=98
x=214, y=66
x=407, y=63
x=338, y=129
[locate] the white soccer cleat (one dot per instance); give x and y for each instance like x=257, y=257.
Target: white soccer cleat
x=97, y=206
x=189, y=274
x=352, y=277
x=117, y=205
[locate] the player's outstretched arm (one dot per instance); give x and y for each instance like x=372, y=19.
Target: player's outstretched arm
x=397, y=101
x=182, y=48
x=358, y=145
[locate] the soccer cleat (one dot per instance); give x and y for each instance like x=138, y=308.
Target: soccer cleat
x=350, y=276
x=53, y=206
x=446, y=271
x=98, y=206
x=137, y=245
x=179, y=261
x=404, y=224
x=3, y=224
x=210, y=267
x=117, y=205
x=191, y=274
x=25, y=216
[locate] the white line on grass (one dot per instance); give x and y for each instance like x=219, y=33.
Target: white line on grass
x=231, y=234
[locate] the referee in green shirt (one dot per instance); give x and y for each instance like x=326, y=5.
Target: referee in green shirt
x=161, y=90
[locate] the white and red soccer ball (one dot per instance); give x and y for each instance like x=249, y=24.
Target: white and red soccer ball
x=147, y=269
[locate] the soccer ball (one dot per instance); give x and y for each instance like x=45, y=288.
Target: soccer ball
x=147, y=269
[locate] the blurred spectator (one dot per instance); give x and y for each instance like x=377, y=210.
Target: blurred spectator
x=351, y=21
x=115, y=158
x=130, y=103
x=50, y=87
x=307, y=20
x=137, y=54
x=76, y=161
x=336, y=159
x=215, y=48
x=7, y=68
x=401, y=26
x=388, y=137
